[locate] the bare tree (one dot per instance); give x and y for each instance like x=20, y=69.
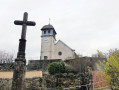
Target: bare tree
x=6, y=57
x=6, y=60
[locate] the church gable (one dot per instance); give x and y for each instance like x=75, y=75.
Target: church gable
x=63, y=51
x=61, y=42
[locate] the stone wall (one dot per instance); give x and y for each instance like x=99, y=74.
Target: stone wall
x=30, y=84
x=5, y=84
x=39, y=64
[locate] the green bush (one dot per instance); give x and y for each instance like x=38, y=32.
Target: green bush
x=56, y=68
x=61, y=88
x=72, y=89
x=70, y=69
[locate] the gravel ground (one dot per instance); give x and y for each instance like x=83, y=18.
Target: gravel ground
x=29, y=74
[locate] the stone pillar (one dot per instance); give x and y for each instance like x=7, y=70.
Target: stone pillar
x=19, y=74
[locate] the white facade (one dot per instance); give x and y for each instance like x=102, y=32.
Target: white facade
x=52, y=50
x=62, y=51
x=47, y=47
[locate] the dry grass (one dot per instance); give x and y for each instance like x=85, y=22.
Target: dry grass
x=29, y=74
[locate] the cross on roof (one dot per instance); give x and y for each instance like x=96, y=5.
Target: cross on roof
x=49, y=20
x=24, y=24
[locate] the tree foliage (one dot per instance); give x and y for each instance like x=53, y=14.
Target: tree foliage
x=110, y=69
x=56, y=68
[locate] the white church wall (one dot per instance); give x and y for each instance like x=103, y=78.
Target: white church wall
x=67, y=52
x=47, y=47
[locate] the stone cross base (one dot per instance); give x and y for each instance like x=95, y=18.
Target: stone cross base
x=19, y=74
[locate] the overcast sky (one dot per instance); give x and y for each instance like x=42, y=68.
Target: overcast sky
x=84, y=25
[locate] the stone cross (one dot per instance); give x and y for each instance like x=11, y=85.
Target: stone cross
x=20, y=61
x=24, y=23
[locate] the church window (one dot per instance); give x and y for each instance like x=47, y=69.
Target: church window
x=45, y=57
x=44, y=32
x=48, y=31
x=60, y=53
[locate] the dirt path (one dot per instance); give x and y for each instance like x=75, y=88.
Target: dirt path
x=29, y=74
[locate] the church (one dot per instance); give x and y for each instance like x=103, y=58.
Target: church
x=51, y=48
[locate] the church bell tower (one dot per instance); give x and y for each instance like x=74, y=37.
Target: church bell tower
x=47, y=42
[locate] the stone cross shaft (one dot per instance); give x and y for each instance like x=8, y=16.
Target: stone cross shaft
x=22, y=44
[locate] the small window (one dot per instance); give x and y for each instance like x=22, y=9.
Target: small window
x=60, y=53
x=45, y=57
x=48, y=31
x=44, y=32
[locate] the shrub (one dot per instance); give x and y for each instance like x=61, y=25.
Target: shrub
x=56, y=68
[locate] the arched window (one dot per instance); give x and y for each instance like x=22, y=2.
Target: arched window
x=44, y=32
x=48, y=31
